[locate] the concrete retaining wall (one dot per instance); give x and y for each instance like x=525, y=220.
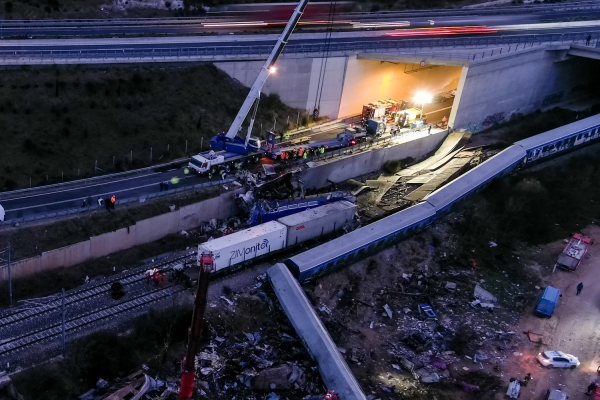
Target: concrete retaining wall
x=296, y=81
x=521, y=82
x=142, y=232
x=370, y=161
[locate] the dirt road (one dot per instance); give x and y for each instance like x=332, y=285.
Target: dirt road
x=574, y=328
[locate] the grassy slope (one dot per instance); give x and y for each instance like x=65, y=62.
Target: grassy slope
x=59, y=120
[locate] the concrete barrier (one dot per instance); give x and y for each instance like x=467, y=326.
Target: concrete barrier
x=142, y=232
x=69, y=255
x=369, y=161
x=111, y=242
x=22, y=268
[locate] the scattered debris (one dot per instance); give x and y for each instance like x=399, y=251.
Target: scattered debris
x=450, y=286
x=484, y=295
x=388, y=311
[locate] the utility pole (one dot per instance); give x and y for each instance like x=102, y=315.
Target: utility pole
x=188, y=365
x=63, y=320
x=9, y=279
x=186, y=147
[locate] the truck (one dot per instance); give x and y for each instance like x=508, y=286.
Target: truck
x=548, y=301
x=375, y=128
x=211, y=161
x=229, y=148
x=574, y=251
x=343, y=139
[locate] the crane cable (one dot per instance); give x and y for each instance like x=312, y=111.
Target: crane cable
x=326, y=50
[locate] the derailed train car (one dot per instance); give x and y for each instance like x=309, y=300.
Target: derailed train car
x=274, y=236
x=376, y=236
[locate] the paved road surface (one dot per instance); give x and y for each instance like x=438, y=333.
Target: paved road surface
x=574, y=328
x=268, y=21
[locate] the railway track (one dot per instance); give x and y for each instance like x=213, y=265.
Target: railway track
x=17, y=315
x=81, y=321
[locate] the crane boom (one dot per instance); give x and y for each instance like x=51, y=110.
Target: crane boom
x=254, y=95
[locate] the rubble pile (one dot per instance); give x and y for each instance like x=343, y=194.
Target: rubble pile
x=251, y=352
x=406, y=329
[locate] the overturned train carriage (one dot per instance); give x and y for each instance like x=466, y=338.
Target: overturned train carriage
x=374, y=237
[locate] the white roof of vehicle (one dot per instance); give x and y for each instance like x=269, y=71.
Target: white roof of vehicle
x=558, y=133
x=370, y=233
x=242, y=236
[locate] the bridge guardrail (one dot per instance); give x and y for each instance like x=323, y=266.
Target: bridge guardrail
x=178, y=53
x=94, y=206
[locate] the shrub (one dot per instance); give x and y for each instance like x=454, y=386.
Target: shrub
x=392, y=166
x=102, y=355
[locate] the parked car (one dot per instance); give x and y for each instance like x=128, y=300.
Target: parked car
x=547, y=302
x=557, y=359
x=555, y=394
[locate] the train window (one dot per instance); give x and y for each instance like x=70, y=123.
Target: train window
x=579, y=136
x=361, y=252
x=545, y=149
x=370, y=248
x=572, y=139
x=330, y=265
x=559, y=144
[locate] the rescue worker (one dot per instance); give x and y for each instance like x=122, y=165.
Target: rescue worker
x=304, y=155
x=100, y=201
x=300, y=151
x=591, y=388
x=113, y=200
x=322, y=149
x=161, y=186
x=223, y=174
x=210, y=176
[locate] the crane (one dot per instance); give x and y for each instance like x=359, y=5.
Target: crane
x=230, y=141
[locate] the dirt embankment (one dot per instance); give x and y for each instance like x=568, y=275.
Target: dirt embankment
x=60, y=120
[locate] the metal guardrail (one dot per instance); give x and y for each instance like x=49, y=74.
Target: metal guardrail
x=125, y=54
x=8, y=195
x=95, y=206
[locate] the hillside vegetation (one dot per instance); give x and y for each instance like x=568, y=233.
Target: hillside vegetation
x=55, y=123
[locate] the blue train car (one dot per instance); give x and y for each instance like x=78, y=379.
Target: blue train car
x=473, y=181
x=357, y=244
x=334, y=370
x=560, y=140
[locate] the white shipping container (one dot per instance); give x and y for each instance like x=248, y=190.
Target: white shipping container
x=245, y=245
x=317, y=221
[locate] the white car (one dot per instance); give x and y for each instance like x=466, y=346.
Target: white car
x=557, y=359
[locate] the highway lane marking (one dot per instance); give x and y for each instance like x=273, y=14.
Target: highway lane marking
x=84, y=187
x=84, y=198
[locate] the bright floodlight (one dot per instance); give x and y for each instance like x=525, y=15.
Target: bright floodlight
x=423, y=97
x=272, y=70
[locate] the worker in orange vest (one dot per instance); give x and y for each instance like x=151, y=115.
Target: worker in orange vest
x=112, y=201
